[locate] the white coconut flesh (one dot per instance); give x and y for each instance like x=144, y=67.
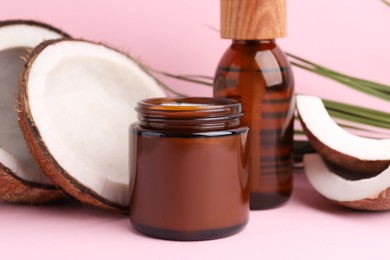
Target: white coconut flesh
x=331, y=185
x=82, y=97
x=316, y=118
x=16, y=39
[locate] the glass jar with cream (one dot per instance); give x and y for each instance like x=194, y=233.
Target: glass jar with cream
x=189, y=168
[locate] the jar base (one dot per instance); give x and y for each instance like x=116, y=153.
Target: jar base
x=188, y=235
x=267, y=200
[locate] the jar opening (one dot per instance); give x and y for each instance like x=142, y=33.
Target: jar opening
x=194, y=113
x=181, y=104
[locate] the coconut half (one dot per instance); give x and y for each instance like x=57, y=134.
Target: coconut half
x=20, y=178
x=371, y=193
x=77, y=100
x=359, y=154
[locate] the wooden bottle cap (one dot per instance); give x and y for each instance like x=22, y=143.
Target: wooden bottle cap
x=253, y=19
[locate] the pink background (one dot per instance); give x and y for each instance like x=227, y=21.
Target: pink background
x=350, y=36
x=173, y=35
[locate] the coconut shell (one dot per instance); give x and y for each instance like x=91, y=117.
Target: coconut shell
x=34, y=23
x=50, y=167
x=369, y=194
x=40, y=152
x=344, y=160
x=12, y=187
x=381, y=202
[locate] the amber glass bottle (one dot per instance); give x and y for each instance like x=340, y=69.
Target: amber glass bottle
x=256, y=72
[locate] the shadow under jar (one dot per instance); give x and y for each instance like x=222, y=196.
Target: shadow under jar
x=189, y=169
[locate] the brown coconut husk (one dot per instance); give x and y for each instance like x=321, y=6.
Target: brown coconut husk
x=361, y=167
x=12, y=187
x=380, y=202
x=15, y=189
x=39, y=150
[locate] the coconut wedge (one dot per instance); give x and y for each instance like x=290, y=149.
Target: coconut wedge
x=358, y=154
x=20, y=178
x=365, y=194
x=76, y=102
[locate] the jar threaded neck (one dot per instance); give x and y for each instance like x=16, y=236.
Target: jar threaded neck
x=190, y=114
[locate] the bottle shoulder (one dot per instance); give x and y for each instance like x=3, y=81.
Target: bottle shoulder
x=247, y=67
x=268, y=56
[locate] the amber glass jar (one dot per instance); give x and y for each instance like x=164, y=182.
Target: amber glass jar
x=189, y=168
x=258, y=74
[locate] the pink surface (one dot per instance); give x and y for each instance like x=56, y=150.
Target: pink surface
x=350, y=36
x=307, y=227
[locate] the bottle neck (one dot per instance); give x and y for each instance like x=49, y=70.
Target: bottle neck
x=253, y=46
x=254, y=42
x=189, y=114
